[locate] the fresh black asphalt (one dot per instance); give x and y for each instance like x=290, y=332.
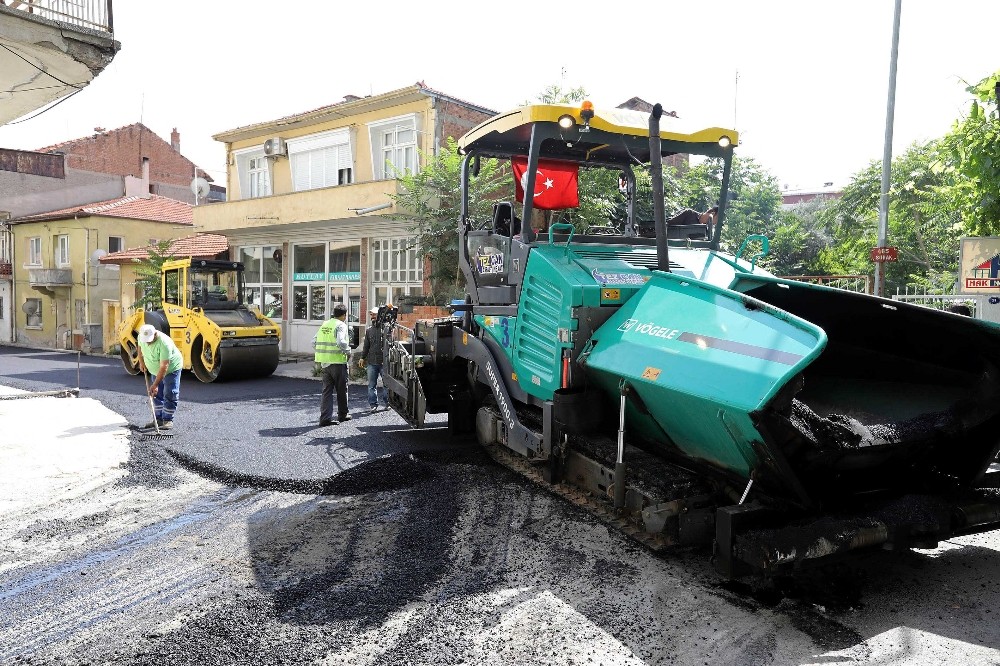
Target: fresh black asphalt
x=260, y=432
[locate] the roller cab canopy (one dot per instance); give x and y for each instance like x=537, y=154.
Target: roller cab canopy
x=610, y=137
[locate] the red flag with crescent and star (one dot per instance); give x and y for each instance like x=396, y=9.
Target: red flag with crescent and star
x=555, y=183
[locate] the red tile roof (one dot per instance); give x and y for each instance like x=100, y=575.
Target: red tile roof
x=153, y=209
x=199, y=246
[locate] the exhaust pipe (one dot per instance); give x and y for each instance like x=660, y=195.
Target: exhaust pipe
x=656, y=174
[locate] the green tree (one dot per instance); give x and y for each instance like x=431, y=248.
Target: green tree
x=432, y=200
x=923, y=224
x=799, y=238
x=555, y=94
x=970, y=157
x=148, y=275
x=754, y=200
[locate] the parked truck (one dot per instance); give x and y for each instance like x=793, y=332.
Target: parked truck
x=685, y=393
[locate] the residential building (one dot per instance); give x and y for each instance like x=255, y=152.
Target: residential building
x=128, y=161
x=309, y=210
x=59, y=285
x=796, y=196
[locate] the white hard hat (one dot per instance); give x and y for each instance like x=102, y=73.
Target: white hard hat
x=374, y=311
x=146, y=333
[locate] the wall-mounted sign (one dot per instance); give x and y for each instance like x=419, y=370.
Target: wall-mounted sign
x=342, y=276
x=979, y=266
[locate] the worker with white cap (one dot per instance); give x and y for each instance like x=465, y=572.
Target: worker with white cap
x=371, y=356
x=157, y=350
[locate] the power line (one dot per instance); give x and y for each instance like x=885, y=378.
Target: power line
x=65, y=83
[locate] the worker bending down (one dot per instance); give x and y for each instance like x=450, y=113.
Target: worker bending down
x=157, y=350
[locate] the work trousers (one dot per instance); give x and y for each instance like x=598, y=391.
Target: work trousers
x=334, y=379
x=168, y=392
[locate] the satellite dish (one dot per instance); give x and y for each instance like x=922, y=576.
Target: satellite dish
x=29, y=307
x=95, y=257
x=201, y=188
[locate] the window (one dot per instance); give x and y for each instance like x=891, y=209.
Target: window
x=260, y=184
x=394, y=147
x=262, y=274
x=171, y=288
x=325, y=274
x=33, y=312
x=397, y=270
x=35, y=251
x=1, y=307
x=254, y=173
x=321, y=160
x=115, y=244
x=62, y=251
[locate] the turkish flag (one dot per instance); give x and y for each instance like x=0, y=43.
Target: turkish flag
x=555, y=183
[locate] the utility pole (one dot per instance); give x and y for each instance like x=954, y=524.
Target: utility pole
x=883, y=209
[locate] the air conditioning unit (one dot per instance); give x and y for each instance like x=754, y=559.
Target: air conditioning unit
x=275, y=146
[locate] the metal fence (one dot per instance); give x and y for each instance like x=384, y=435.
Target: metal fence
x=939, y=301
x=858, y=283
x=91, y=14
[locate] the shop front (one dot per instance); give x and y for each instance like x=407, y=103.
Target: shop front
x=300, y=281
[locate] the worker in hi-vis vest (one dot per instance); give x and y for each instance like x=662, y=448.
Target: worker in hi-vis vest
x=332, y=349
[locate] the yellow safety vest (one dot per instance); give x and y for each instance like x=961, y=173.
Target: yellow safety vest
x=327, y=349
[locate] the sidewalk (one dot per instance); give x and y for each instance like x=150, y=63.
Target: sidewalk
x=302, y=368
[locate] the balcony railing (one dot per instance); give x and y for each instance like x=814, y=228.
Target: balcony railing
x=6, y=270
x=91, y=14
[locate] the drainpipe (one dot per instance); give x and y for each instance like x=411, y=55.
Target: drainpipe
x=86, y=279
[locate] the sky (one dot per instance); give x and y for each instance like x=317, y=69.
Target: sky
x=804, y=82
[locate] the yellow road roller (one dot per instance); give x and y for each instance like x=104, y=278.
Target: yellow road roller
x=202, y=310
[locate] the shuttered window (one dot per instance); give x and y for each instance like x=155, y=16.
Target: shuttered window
x=321, y=160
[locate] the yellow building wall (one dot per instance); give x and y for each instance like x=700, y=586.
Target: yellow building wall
x=67, y=310
x=281, y=174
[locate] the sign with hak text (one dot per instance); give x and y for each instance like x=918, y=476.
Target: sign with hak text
x=979, y=265
x=885, y=254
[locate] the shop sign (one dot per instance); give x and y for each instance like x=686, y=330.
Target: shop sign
x=341, y=276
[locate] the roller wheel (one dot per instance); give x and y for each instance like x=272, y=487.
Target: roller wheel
x=131, y=365
x=234, y=362
x=203, y=372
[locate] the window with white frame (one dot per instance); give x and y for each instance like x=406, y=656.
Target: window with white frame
x=262, y=276
x=115, y=244
x=62, y=251
x=394, y=146
x=321, y=160
x=5, y=246
x=397, y=270
x=35, y=251
x=33, y=312
x=254, y=171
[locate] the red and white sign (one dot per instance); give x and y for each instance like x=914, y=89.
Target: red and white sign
x=555, y=183
x=885, y=254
